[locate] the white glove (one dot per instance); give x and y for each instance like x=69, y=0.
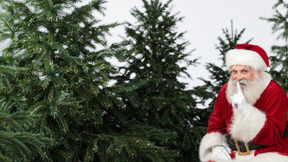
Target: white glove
x=239, y=101
x=221, y=152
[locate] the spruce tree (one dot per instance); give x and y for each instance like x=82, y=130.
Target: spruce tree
x=218, y=75
x=279, y=60
x=18, y=142
x=162, y=102
x=65, y=83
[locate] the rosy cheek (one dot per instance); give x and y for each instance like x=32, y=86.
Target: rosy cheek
x=246, y=77
x=233, y=77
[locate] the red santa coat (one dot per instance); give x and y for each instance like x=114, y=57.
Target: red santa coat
x=264, y=124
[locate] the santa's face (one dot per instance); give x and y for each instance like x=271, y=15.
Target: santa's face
x=243, y=74
x=250, y=82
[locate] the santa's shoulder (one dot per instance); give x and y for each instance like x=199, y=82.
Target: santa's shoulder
x=274, y=88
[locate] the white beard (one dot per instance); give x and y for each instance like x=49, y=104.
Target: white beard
x=252, y=91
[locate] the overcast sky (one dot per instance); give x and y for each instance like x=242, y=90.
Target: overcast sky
x=203, y=22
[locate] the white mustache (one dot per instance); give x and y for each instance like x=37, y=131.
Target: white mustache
x=242, y=81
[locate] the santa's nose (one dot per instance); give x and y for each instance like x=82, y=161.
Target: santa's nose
x=239, y=77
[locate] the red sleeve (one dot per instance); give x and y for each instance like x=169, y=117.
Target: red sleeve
x=217, y=120
x=273, y=103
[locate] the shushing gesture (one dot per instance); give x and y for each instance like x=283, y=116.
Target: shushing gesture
x=239, y=101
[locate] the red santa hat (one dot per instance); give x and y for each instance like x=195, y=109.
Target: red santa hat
x=249, y=55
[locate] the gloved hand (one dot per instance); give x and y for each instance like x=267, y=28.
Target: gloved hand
x=221, y=152
x=239, y=101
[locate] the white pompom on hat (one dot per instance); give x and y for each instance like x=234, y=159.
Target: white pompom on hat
x=249, y=55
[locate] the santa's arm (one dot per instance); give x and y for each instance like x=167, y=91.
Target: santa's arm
x=267, y=121
x=249, y=125
x=208, y=141
x=216, y=130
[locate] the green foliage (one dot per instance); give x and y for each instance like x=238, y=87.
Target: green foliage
x=59, y=52
x=17, y=143
x=156, y=56
x=279, y=61
x=64, y=82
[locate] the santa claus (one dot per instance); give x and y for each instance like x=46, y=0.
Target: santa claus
x=249, y=117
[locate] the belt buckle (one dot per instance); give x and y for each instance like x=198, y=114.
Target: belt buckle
x=248, y=152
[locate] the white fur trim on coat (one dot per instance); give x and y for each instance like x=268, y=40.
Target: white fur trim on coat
x=245, y=57
x=207, y=142
x=269, y=157
x=264, y=157
x=247, y=126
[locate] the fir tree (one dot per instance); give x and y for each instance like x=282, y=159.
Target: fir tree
x=66, y=77
x=279, y=61
x=162, y=102
x=219, y=75
x=18, y=142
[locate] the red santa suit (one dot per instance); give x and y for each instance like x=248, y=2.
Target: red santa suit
x=263, y=124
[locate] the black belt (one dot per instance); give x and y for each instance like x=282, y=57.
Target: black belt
x=285, y=134
x=242, y=147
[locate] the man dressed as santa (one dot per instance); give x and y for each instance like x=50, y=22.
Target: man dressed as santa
x=249, y=117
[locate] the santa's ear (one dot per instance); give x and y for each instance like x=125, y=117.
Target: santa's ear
x=259, y=73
